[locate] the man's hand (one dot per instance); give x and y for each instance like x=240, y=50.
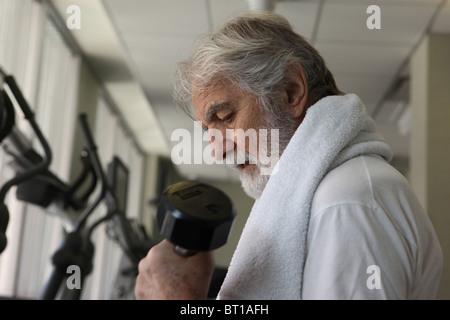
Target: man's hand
x=165, y=275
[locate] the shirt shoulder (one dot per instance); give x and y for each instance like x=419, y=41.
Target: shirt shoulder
x=365, y=214
x=357, y=181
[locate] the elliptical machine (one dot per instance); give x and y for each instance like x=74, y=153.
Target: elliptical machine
x=38, y=185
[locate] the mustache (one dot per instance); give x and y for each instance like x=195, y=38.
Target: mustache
x=234, y=159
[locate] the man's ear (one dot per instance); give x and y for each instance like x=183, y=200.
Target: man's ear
x=296, y=90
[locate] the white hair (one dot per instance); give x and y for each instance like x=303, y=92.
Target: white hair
x=254, y=51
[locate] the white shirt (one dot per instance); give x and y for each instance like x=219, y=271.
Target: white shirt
x=369, y=237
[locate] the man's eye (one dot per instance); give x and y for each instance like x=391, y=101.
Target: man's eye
x=228, y=118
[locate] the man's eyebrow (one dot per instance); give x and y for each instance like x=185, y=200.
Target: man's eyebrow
x=215, y=108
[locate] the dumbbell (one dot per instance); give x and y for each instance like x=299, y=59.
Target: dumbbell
x=195, y=217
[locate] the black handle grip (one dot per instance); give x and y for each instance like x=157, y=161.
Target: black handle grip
x=19, y=97
x=87, y=132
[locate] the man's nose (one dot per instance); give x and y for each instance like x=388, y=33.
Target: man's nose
x=220, y=144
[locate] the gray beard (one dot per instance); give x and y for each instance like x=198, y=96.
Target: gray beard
x=253, y=182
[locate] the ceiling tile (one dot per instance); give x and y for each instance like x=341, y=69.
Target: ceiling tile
x=155, y=58
x=301, y=14
x=159, y=16
x=369, y=59
x=400, y=24
x=173, y=118
x=367, y=88
x=223, y=10
x=149, y=140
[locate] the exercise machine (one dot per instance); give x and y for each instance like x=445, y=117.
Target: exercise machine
x=38, y=185
x=194, y=216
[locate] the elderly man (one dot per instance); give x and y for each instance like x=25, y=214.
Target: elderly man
x=333, y=220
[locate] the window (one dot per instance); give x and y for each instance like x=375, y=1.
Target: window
x=48, y=73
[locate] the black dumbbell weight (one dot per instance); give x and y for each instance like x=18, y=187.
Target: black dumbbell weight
x=195, y=217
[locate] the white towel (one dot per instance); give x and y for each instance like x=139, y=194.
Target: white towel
x=269, y=259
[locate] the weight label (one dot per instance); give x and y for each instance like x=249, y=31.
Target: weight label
x=188, y=192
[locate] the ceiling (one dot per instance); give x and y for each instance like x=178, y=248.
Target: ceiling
x=134, y=45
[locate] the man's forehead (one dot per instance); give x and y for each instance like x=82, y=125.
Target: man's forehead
x=200, y=100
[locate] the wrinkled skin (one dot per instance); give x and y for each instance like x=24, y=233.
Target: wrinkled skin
x=165, y=275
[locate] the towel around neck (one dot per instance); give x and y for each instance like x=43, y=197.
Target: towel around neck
x=269, y=259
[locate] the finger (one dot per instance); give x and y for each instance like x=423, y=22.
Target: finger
x=140, y=287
